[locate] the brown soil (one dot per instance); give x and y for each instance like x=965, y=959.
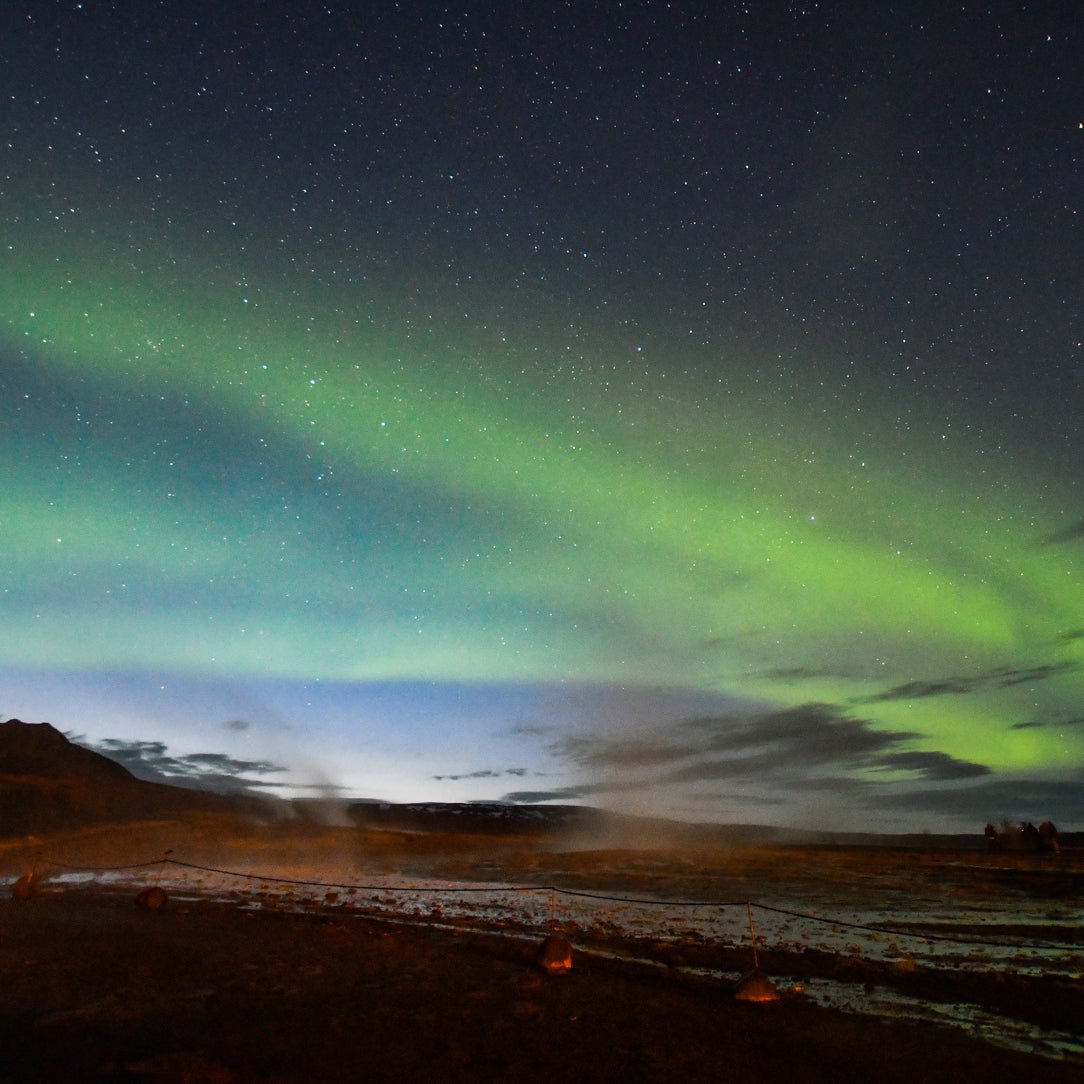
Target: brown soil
x=96, y=989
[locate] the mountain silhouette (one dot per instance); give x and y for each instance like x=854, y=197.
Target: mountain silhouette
x=48, y=783
x=39, y=750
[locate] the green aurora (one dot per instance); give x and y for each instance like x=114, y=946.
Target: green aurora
x=480, y=391
x=356, y=512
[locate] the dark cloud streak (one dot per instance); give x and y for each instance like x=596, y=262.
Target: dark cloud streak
x=1003, y=677
x=808, y=748
x=1073, y=533
x=483, y=773
x=933, y=765
x=218, y=772
x=996, y=800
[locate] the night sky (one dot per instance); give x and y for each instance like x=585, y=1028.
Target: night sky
x=672, y=412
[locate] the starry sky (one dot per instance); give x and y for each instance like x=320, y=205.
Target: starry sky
x=672, y=408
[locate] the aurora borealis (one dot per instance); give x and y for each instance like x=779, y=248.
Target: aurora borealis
x=595, y=403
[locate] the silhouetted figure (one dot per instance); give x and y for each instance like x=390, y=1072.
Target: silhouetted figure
x=993, y=838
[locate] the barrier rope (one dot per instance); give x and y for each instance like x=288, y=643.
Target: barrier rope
x=348, y=885
x=559, y=890
x=104, y=869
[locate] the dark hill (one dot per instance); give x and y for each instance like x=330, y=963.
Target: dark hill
x=47, y=783
x=40, y=750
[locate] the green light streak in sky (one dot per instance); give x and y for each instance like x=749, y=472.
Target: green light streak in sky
x=610, y=533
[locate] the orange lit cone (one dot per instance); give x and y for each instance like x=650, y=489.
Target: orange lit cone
x=555, y=956
x=151, y=899
x=755, y=986
x=24, y=888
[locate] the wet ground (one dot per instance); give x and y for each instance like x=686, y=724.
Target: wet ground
x=985, y=950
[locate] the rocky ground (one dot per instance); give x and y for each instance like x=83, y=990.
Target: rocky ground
x=96, y=989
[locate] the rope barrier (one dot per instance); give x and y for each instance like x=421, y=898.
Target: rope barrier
x=558, y=890
x=887, y=930
x=896, y=932
x=640, y=901
x=349, y=885
x=105, y=869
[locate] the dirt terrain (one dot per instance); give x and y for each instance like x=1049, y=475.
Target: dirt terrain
x=95, y=989
x=326, y=989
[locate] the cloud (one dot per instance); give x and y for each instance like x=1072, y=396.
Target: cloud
x=325, y=789
x=791, y=674
x=1073, y=533
x=813, y=755
x=917, y=690
x=810, y=748
x=933, y=765
x=531, y=730
x=532, y=797
x=1012, y=799
x=1001, y=677
x=217, y=772
x=804, y=735
x=767, y=800
x=1035, y=723
x=795, y=737
x=608, y=753
x=484, y=773
x=1034, y=673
